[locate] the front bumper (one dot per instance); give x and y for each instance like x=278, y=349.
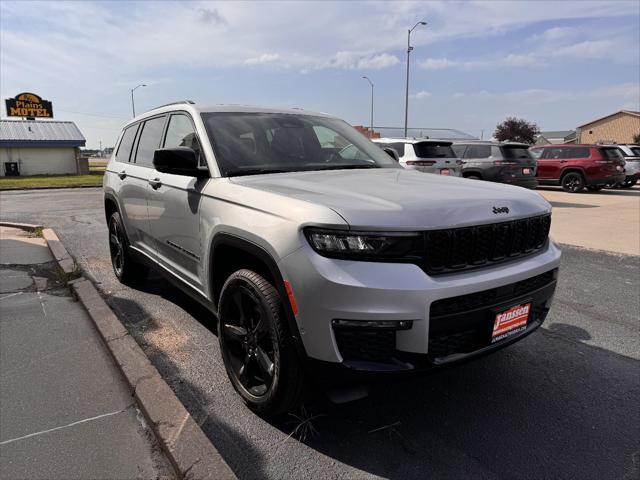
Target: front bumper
x=328, y=289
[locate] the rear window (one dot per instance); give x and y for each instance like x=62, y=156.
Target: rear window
x=124, y=149
x=431, y=150
x=515, y=153
x=478, y=151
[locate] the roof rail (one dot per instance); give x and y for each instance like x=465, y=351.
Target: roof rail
x=190, y=102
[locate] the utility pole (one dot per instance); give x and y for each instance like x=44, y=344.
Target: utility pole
x=406, y=97
x=370, y=83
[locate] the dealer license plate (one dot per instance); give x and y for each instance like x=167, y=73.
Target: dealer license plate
x=510, y=322
x=526, y=171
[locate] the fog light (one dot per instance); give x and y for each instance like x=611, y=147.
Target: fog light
x=373, y=324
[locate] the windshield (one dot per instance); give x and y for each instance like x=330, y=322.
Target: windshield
x=433, y=150
x=255, y=143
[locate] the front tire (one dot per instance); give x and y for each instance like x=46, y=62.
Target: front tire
x=256, y=347
x=573, y=182
x=125, y=268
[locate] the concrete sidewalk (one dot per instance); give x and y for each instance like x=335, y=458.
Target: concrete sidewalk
x=65, y=410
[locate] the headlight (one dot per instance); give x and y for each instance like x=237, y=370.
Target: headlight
x=365, y=245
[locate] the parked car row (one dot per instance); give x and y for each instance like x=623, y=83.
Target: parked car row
x=573, y=166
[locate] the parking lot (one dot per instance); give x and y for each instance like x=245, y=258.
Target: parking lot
x=562, y=403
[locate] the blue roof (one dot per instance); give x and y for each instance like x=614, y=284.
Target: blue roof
x=35, y=133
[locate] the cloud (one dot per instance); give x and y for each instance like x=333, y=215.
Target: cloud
x=511, y=60
x=421, y=95
x=351, y=60
x=262, y=59
x=586, y=50
x=437, y=64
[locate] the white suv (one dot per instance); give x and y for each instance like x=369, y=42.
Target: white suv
x=424, y=155
x=317, y=252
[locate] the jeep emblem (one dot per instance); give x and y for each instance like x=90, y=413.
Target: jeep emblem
x=497, y=210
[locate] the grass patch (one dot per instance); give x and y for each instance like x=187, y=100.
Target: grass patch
x=36, y=232
x=94, y=179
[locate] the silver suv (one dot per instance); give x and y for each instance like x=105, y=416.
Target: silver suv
x=424, y=155
x=317, y=252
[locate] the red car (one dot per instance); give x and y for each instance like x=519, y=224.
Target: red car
x=576, y=166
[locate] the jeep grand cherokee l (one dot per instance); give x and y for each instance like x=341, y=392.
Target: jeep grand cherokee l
x=497, y=162
x=315, y=262
x=428, y=156
x=576, y=166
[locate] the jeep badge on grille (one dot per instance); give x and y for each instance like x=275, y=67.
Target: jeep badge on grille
x=497, y=210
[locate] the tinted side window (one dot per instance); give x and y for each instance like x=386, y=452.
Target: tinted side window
x=577, y=152
x=459, y=150
x=124, y=149
x=536, y=153
x=149, y=141
x=181, y=133
x=398, y=147
x=478, y=151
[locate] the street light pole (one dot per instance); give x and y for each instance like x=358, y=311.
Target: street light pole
x=370, y=83
x=406, y=97
x=133, y=105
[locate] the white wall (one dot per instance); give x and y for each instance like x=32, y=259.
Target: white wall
x=40, y=161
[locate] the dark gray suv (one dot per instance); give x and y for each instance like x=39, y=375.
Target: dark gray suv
x=498, y=162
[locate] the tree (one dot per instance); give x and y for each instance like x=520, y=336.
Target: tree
x=636, y=138
x=516, y=130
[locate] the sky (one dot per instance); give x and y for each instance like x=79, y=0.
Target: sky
x=557, y=63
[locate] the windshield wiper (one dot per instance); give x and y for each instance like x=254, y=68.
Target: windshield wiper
x=238, y=172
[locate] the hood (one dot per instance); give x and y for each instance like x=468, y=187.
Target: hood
x=402, y=199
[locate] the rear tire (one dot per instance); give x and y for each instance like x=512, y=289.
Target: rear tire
x=573, y=182
x=256, y=346
x=628, y=183
x=126, y=270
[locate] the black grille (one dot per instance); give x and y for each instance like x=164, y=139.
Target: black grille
x=371, y=346
x=469, y=247
x=457, y=342
x=486, y=298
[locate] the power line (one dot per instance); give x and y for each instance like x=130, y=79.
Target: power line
x=93, y=114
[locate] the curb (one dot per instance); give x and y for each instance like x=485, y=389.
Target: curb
x=23, y=226
x=191, y=453
x=15, y=189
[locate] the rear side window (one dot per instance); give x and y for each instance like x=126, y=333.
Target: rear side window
x=611, y=153
x=458, y=150
x=431, y=150
x=636, y=151
x=576, y=152
x=478, y=151
x=124, y=149
x=149, y=141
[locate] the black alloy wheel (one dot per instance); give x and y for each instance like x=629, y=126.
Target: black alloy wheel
x=255, y=346
x=125, y=268
x=573, y=182
x=117, y=244
x=629, y=182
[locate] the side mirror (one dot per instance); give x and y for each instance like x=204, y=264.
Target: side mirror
x=392, y=153
x=178, y=161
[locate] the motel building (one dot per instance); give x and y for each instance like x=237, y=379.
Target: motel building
x=39, y=147
x=33, y=146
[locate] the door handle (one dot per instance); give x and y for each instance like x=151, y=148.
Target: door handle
x=122, y=175
x=155, y=183
x=564, y=161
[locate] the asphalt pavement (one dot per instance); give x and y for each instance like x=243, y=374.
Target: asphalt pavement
x=563, y=403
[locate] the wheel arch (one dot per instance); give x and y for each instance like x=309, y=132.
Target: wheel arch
x=567, y=170
x=229, y=253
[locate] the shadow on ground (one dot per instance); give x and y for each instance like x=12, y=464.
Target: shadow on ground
x=547, y=407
